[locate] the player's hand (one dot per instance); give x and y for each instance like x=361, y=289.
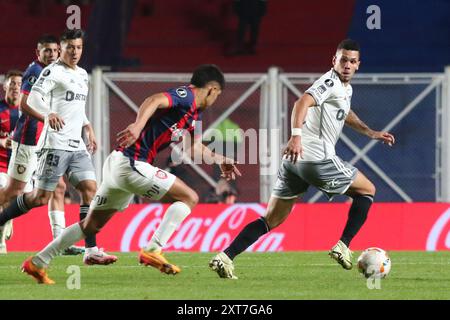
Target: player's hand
x=92, y=143
x=229, y=169
x=8, y=143
x=55, y=121
x=385, y=137
x=294, y=149
x=5, y=140
x=127, y=137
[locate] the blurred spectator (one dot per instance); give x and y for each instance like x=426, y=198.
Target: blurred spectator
x=223, y=193
x=250, y=13
x=40, y=7
x=229, y=196
x=225, y=139
x=179, y=170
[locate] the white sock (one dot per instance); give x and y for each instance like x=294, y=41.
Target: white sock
x=173, y=217
x=68, y=237
x=2, y=236
x=57, y=222
x=90, y=250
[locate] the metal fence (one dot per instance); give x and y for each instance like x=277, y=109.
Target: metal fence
x=414, y=107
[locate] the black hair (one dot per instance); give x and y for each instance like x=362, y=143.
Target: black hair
x=13, y=73
x=206, y=73
x=349, y=44
x=71, y=34
x=47, y=38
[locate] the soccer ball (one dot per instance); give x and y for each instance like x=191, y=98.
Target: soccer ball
x=374, y=262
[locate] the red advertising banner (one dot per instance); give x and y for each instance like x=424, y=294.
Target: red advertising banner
x=210, y=228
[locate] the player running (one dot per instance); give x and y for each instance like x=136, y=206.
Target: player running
x=9, y=114
x=59, y=95
x=162, y=119
x=310, y=159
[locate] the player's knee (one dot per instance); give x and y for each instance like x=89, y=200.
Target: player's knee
x=11, y=192
x=192, y=199
x=371, y=189
x=60, y=190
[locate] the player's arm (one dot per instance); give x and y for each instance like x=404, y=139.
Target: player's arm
x=37, y=99
x=358, y=125
x=227, y=165
x=25, y=108
x=294, y=145
x=37, y=102
x=127, y=137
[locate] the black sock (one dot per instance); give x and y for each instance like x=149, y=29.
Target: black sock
x=16, y=208
x=356, y=217
x=247, y=237
x=89, y=241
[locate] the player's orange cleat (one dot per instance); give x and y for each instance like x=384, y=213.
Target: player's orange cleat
x=158, y=261
x=40, y=274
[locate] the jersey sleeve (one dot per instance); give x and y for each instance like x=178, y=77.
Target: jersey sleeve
x=29, y=79
x=321, y=90
x=85, y=120
x=180, y=97
x=46, y=82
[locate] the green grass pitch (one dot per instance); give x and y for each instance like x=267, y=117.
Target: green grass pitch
x=289, y=275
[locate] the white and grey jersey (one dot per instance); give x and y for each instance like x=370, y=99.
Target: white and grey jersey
x=64, y=91
x=324, y=121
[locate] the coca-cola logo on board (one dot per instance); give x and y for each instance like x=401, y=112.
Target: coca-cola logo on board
x=199, y=233
x=439, y=236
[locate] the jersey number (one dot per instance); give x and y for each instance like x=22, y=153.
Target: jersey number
x=52, y=160
x=340, y=114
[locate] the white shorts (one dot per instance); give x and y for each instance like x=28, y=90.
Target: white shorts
x=23, y=161
x=123, y=178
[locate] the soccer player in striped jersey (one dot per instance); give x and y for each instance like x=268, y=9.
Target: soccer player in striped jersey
x=9, y=114
x=310, y=159
x=162, y=119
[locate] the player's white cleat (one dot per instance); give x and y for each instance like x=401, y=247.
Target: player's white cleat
x=98, y=257
x=3, y=249
x=342, y=254
x=223, y=265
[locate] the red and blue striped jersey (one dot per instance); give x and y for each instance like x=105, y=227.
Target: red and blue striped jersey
x=8, y=119
x=166, y=125
x=29, y=129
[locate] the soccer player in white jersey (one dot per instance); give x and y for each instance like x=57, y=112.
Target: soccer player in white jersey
x=59, y=95
x=24, y=140
x=309, y=159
